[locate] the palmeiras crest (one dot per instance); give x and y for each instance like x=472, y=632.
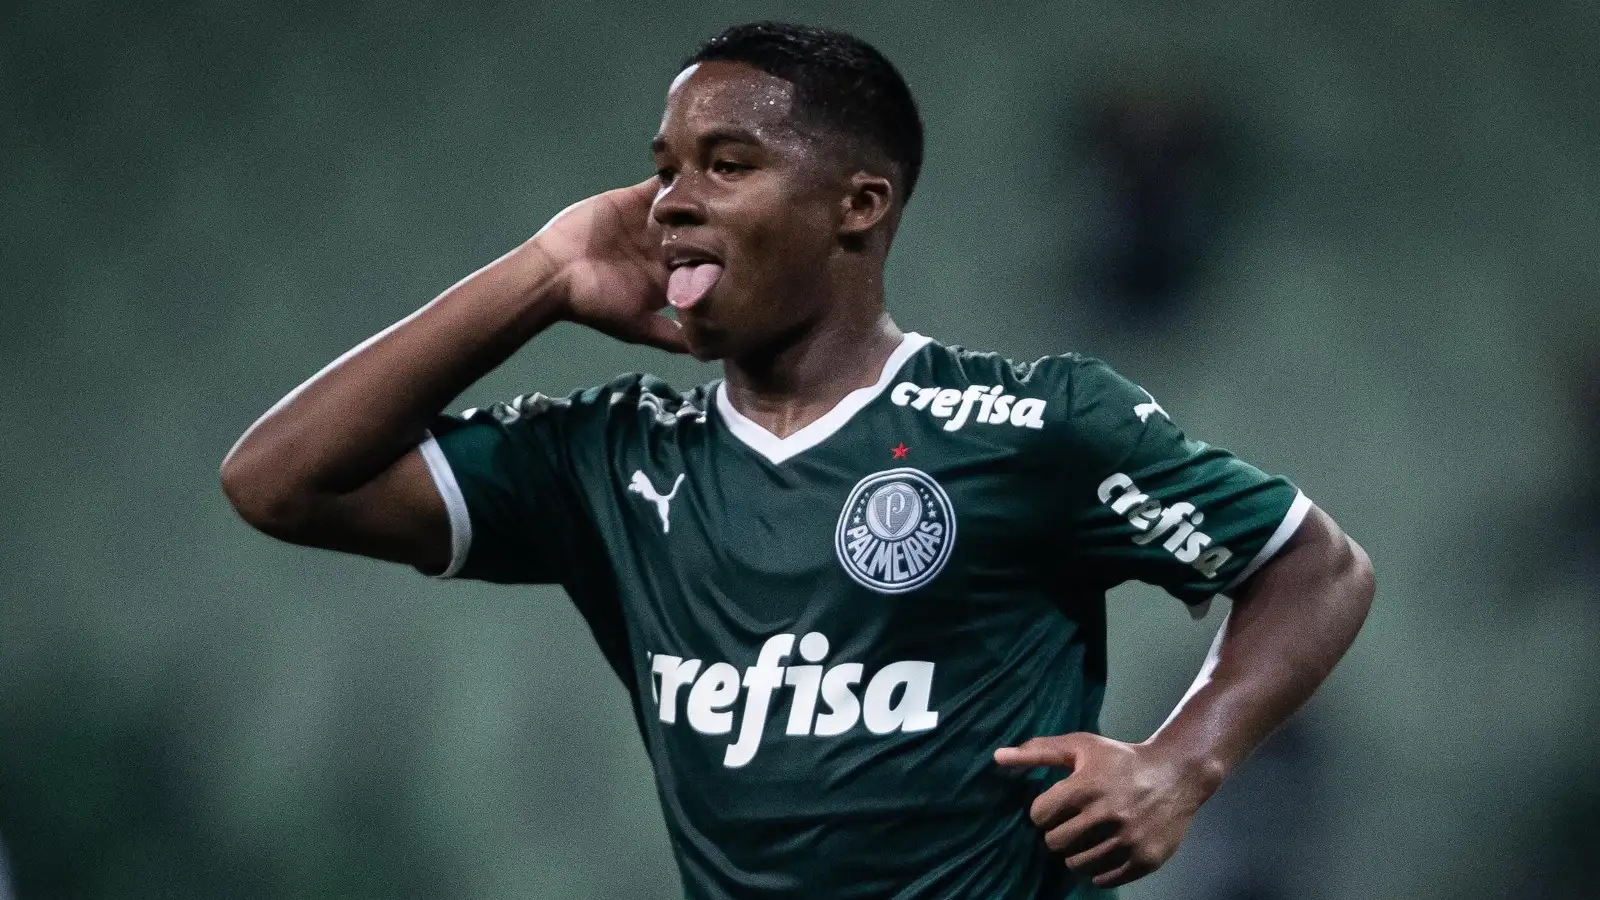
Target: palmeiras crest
x=896, y=531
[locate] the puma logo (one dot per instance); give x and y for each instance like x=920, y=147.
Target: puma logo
x=641, y=485
x=1143, y=410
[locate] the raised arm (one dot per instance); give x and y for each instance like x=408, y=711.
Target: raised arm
x=335, y=463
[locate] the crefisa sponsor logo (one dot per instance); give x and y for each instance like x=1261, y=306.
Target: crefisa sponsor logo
x=895, y=531
x=824, y=701
x=984, y=404
x=1179, y=523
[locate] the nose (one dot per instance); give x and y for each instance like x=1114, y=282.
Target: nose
x=677, y=205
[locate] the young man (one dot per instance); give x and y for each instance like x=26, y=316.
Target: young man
x=855, y=588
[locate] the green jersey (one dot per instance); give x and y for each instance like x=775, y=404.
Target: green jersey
x=825, y=636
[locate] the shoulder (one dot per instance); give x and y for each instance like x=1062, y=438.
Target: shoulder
x=646, y=398
x=995, y=389
x=1042, y=375
x=628, y=397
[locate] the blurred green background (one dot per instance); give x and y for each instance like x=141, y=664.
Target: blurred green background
x=1374, y=226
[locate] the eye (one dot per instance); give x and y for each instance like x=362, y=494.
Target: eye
x=665, y=174
x=729, y=167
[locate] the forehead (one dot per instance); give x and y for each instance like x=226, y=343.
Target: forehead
x=724, y=94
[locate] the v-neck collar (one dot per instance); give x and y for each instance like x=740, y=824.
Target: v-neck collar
x=777, y=449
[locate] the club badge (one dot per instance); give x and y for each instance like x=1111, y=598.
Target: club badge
x=896, y=530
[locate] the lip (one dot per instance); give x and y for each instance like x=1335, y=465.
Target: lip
x=678, y=255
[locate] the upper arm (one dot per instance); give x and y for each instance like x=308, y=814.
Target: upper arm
x=494, y=494
x=516, y=480
x=1151, y=504
x=1318, y=554
x=398, y=515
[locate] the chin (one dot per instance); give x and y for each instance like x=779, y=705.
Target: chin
x=705, y=345
x=705, y=354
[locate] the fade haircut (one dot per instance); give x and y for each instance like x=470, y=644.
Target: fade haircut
x=840, y=83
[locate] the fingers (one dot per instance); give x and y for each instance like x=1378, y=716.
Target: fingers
x=1060, y=802
x=1131, y=869
x=1039, y=751
x=636, y=200
x=1107, y=853
x=1080, y=835
x=1103, y=858
x=645, y=188
x=660, y=332
x=1108, y=820
x=1103, y=851
x=638, y=196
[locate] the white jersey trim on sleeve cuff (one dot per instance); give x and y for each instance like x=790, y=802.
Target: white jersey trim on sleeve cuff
x=1286, y=529
x=454, y=502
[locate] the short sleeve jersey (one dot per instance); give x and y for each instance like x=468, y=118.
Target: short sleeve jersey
x=826, y=635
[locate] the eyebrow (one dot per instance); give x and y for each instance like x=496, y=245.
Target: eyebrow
x=722, y=135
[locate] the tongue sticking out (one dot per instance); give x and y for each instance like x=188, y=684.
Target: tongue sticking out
x=688, y=285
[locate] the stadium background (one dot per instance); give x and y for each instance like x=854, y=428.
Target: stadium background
x=1393, y=208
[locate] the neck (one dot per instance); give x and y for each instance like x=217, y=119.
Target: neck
x=794, y=384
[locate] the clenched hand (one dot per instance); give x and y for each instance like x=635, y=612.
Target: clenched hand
x=1121, y=813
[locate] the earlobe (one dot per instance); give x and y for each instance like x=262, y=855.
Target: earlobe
x=866, y=204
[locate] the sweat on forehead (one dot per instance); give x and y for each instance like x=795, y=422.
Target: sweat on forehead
x=730, y=92
x=717, y=96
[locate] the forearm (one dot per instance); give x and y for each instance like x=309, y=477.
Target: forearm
x=350, y=421
x=1289, y=626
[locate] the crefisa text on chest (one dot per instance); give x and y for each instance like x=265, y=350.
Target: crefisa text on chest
x=824, y=701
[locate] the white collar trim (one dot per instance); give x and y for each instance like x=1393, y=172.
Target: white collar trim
x=777, y=449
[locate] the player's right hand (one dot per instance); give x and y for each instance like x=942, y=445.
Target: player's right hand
x=608, y=252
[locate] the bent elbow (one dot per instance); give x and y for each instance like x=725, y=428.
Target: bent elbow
x=1359, y=574
x=261, y=497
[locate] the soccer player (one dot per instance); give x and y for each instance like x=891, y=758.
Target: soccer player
x=856, y=587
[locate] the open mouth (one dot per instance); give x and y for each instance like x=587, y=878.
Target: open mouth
x=691, y=279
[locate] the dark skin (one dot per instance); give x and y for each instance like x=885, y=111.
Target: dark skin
x=802, y=232
x=801, y=221
x=1122, y=812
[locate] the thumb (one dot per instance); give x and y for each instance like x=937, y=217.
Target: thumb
x=1039, y=751
x=634, y=202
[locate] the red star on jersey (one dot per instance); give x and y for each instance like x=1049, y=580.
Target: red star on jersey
x=900, y=451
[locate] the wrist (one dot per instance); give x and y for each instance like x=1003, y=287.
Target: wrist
x=540, y=284
x=1200, y=767
x=544, y=283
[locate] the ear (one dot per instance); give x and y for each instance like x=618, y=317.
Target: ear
x=866, y=204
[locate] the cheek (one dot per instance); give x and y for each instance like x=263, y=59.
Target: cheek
x=779, y=226
x=794, y=240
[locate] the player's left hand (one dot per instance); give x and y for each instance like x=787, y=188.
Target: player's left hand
x=1121, y=813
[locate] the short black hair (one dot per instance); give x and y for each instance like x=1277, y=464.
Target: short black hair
x=840, y=82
